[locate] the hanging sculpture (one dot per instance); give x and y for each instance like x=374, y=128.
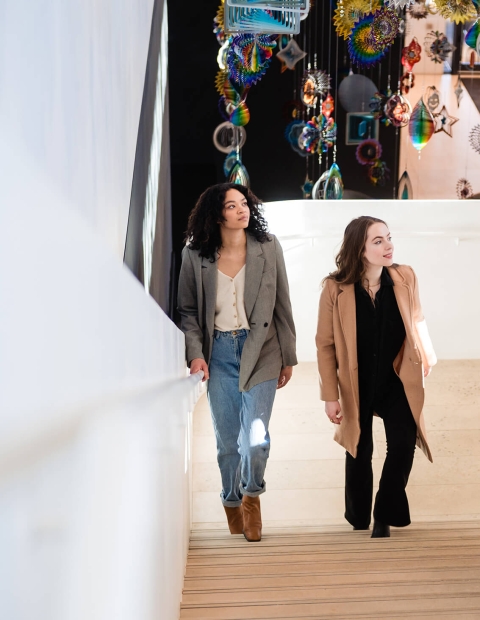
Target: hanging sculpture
x=464, y=189
x=431, y=98
x=411, y=54
x=437, y=46
x=405, y=190
x=248, y=57
x=458, y=11
x=474, y=139
x=443, y=122
x=333, y=184
x=248, y=20
x=418, y=9
x=421, y=126
x=368, y=151
x=348, y=12
x=292, y=134
x=473, y=34
x=398, y=110
x=458, y=91
x=290, y=55
x=377, y=105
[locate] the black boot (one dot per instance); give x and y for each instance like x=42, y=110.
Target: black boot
x=380, y=530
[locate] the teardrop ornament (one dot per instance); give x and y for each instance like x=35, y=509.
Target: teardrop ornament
x=239, y=175
x=472, y=35
x=421, y=126
x=405, y=190
x=334, y=184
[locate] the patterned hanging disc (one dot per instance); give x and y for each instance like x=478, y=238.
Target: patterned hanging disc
x=377, y=105
x=350, y=11
x=411, y=54
x=368, y=151
x=418, y=10
x=474, y=138
x=363, y=49
x=458, y=11
x=384, y=27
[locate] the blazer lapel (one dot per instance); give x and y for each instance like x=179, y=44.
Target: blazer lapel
x=209, y=280
x=253, y=273
x=404, y=297
x=348, y=321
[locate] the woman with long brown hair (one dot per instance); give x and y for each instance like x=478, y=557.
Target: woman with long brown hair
x=373, y=352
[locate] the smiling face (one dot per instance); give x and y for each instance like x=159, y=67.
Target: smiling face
x=236, y=212
x=379, y=246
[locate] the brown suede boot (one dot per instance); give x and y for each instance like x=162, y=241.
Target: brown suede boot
x=252, y=518
x=235, y=519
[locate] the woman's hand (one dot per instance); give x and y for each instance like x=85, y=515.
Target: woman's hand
x=333, y=409
x=198, y=364
x=285, y=376
x=427, y=370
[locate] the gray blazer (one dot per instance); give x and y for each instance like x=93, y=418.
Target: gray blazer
x=270, y=345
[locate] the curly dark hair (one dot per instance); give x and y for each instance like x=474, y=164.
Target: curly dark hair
x=350, y=262
x=203, y=232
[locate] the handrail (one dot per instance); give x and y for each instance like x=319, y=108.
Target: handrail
x=32, y=443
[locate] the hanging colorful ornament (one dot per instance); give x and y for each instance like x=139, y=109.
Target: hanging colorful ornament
x=368, y=151
x=228, y=137
x=397, y=4
x=421, y=126
x=328, y=106
x=307, y=187
x=293, y=132
x=350, y=11
x=240, y=115
x=378, y=173
x=334, y=184
x=431, y=98
x=328, y=133
x=458, y=11
x=290, y=55
x=407, y=81
x=437, y=46
x=363, y=49
x=411, y=54
x=405, y=189
x=384, y=27
x=248, y=57
x=458, y=91
x=239, y=175
x=418, y=9
x=444, y=122
x=398, y=110
x=229, y=161
x=472, y=35
x=464, y=189
x=310, y=137
x=377, y=105
x=318, y=192
x=315, y=83
x=474, y=138
x=219, y=24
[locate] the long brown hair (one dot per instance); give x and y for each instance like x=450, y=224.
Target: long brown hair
x=350, y=262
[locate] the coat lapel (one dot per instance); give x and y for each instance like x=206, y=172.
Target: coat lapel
x=253, y=273
x=348, y=321
x=209, y=279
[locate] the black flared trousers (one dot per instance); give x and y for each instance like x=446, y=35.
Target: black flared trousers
x=391, y=503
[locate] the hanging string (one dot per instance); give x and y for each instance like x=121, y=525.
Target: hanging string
x=336, y=99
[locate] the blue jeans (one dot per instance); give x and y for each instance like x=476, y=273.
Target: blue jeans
x=240, y=420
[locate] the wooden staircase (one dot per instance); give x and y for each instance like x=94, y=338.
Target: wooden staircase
x=429, y=570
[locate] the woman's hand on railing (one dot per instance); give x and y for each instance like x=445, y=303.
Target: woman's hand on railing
x=199, y=364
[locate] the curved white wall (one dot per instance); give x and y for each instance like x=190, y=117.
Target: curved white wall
x=439, y=239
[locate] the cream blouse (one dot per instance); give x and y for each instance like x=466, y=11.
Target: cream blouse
x=230, y=308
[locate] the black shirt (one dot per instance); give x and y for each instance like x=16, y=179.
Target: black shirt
x=380, y=335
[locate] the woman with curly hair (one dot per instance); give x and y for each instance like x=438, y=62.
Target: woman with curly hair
x=236, y=315
x=373, y=352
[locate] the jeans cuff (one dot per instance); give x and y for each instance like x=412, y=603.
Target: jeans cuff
x=230, y=503
x=243, y=491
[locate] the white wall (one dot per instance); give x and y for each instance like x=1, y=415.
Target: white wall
x=439, y=239
x=72, y=76
x=94, y=397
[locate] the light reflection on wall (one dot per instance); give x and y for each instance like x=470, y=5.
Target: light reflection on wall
x=151, y=196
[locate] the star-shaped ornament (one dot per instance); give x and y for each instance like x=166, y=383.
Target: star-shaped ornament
x=291, y=54
x=444, y=122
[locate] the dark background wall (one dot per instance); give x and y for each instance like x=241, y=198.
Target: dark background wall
x=276, y=171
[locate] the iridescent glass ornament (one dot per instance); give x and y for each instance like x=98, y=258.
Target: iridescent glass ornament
x=398, y=110
x=405, y=190
x=472, y=35
x=421, y=126
x=239, y=175
x=334, y=184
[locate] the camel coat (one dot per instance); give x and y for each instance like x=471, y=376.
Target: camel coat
x=336, y=341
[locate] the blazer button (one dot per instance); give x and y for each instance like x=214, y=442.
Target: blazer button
x=265, y=325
